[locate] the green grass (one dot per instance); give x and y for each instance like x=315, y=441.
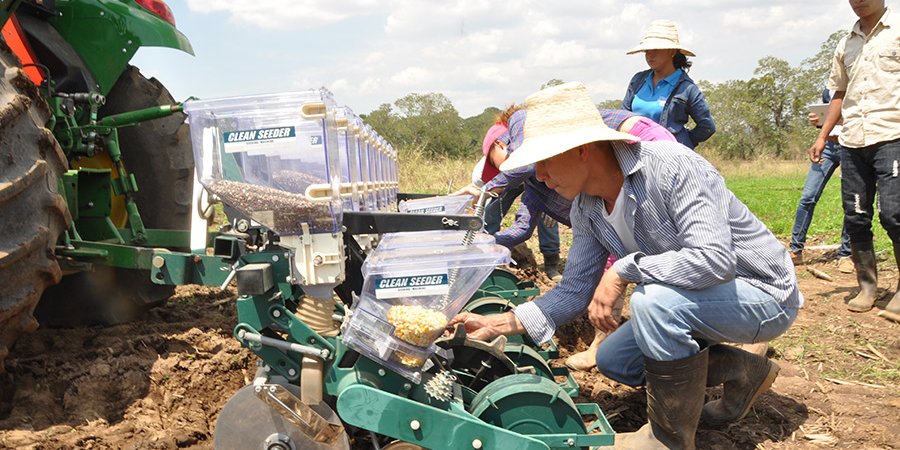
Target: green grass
x=771, y=189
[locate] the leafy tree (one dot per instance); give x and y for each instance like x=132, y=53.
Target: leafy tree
x=818, y=66
x=384, y=121
x=474, y=128
x=737, y=119
x=425, y=121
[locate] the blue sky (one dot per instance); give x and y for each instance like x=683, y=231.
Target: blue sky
x=478, y=53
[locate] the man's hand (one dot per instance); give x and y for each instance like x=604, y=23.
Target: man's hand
x=468, y=190
x=486, y=328
x=815, y=152
x=813, y=119
x=600, y=311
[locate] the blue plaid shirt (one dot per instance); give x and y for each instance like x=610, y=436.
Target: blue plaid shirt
x=693, y=233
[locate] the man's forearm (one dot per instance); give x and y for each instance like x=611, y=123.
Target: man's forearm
x=506, y=323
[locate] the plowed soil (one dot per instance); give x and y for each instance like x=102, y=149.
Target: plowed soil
x=160, y=383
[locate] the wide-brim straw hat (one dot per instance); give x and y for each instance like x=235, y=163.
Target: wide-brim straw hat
x=560, y=118
x=662, y=35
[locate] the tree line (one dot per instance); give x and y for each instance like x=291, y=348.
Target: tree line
x=764, y=116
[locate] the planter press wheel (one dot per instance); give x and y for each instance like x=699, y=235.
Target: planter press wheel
x=528, y=404
x=525, y=356
x=499, y=280
x=487, y=306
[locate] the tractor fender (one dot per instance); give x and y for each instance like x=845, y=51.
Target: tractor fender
x=108, y=33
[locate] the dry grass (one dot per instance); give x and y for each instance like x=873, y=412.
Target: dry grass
x=424, y=175
x=761, y=168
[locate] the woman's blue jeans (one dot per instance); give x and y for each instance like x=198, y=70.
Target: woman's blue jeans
x=816, y=179
x=548, y=237
x=667, y=321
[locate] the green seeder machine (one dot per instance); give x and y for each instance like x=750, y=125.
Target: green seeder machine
x=319, y=296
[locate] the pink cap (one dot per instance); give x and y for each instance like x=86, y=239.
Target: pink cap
x=493, y=133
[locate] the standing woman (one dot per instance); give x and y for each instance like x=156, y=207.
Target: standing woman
x=665, y=93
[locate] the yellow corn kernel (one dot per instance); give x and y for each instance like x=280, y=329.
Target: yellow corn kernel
x=415, y=324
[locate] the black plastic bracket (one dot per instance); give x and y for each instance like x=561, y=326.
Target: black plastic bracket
x=359, y=222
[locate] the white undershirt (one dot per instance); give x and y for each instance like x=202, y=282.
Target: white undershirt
x=618, y=221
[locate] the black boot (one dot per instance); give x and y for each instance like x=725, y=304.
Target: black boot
x=675, y=394
x=551, y=267
x=863, y=255
x=745, y=375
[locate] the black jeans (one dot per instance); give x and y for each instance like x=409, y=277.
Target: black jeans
x=865, y=171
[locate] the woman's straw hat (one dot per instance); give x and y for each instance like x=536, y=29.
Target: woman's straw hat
x=662, y=34
x=560, y=118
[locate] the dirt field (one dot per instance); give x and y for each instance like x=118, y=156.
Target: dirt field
x=160, y=383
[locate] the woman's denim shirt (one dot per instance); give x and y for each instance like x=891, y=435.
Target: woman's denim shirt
x=685, y=100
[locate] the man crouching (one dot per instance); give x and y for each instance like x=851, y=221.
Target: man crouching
x=706, y=269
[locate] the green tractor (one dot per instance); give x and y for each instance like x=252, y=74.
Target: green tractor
x=95, y=163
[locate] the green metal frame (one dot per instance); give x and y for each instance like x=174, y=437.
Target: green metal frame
x=259, y=314
x=107, y=34
x=368, y=394
x=451, y=427
x=93, y=236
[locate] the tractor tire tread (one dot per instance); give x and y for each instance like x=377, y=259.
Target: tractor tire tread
x=32, y=213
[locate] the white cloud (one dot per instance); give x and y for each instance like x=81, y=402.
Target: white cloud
x=339, y=84
x=482, y=53
x=285, y=14
x=556, y=54
x=372, y=85
x=492, y=74
x=410, y=76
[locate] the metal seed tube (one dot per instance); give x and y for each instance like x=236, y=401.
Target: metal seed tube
x=467, y=240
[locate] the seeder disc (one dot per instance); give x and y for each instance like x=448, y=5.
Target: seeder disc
x=248, y=422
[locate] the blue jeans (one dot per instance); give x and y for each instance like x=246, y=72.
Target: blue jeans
x=867, y=170
x=498, y=207
x=816, y=179
x=667, y=321
x=548, y=237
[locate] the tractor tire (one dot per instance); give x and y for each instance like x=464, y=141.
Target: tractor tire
x=158, y=153
x=32, y=212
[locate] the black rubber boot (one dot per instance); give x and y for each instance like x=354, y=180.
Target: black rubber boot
x=551, y=267
x=863, y=255
x=745, y=376
x=675, y=394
